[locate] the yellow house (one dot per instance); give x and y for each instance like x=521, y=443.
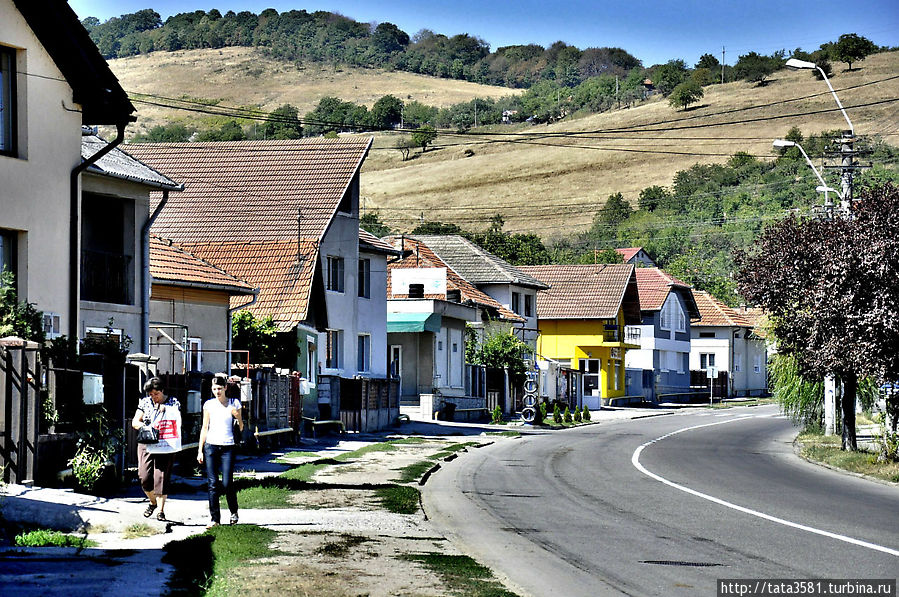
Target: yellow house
x=581, y=320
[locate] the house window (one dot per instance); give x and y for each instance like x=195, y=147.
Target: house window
x=107, y=250
x=194, y=354
x=529, y=305
x=665, y=317
x=311, y=359
x=681, y=318
x=516, y=302
x=365, y=278
x=363, y=355
x=590, y=369
x=706, y=334
x=738, y=362
x=7, y=101
x=7, y=251
x=335, y=274
x=334, y=355
x=51, y=325
x=706, y=360
x=617, y=372
x=757, y=363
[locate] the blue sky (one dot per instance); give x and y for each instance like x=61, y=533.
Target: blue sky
x=654, y=31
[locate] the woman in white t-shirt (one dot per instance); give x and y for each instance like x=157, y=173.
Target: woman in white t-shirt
x=220, y=414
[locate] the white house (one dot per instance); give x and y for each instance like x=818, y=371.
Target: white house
x=725, y=339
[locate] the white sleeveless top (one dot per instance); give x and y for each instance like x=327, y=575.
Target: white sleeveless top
x=221, y=422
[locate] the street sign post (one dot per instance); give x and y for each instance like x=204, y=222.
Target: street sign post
x=712, y=374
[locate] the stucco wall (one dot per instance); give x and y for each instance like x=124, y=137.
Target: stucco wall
x=204, y=312
x=35, y=184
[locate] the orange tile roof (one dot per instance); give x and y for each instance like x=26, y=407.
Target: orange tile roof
x=628, y=253
x=250, y=191
x=716, y=313
x=586, y=291
x=285, y=285
x=170, y=263
x=654, y=286
x=422, y=256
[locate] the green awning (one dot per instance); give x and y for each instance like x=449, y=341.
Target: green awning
x=413, y=322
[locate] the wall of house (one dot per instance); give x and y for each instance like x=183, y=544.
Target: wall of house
x=502, y=293
x=373, y=314
x=35, y=182
x=416, y=376
x=664, y=351
x=720, y=346
x=342, y=240
x=449, y=357
x=137, y=211
x=567, y=341
x=204, y=312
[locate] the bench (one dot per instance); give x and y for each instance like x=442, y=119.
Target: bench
x=315, y=423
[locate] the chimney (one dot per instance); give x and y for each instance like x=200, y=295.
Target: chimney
x=416, y=291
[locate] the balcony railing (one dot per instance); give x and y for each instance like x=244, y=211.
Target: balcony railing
x=106, y=277
x=632, y=335
x=611, y=334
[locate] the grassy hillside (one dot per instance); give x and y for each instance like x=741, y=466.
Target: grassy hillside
x=547, y=179
x=245, y=77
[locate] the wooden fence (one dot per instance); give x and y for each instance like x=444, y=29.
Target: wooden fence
x=20, y=409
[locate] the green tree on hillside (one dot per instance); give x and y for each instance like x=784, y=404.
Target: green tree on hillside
x=755, y=68
x=386, y=113
x=371, y=222
x=708, y=61
x=685, y=94
x=167, y=133
x=615, y=211
x=667, y=76
x=229, y=131
x=283, y=123
x=852, y=48
x=424, y=136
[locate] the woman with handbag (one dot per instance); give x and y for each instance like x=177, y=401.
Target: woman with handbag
x=154, y=470
x=221, y=418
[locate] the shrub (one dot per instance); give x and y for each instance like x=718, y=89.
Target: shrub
x=497, y=415
x=542, y=411
x=586, y=414
x=557, y=415
x=567, y=416
x=577, y=415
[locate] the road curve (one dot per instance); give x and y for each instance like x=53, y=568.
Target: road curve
x=568, y=513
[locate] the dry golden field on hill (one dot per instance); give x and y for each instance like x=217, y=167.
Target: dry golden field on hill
x=245, y=77
x=547, y=179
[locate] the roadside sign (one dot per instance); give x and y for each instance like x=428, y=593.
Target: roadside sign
x=711, y=372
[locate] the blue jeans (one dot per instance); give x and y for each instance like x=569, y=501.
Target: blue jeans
x=220, y=459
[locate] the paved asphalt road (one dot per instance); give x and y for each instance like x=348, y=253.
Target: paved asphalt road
x=723, y=496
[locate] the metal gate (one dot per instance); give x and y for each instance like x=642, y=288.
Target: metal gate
x=20, y=395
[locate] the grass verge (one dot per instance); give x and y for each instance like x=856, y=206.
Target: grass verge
x=400, y=499
x=139, y=529
x=826, y=449
x=202, y=562
x=462, y=575
x=48, y=538
x=339, y=549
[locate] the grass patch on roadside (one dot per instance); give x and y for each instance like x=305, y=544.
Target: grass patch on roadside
x=414, y=471
x=202, y=562
x=304, y=472
x=262, y=498
x=139, y=529
x=462, y=575
x=48, y=538
x=505, y=433
x=753, y=402
x=283, y=458
x=826, y=449
x=400, y=499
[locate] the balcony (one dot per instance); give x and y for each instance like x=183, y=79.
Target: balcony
x=106, y=277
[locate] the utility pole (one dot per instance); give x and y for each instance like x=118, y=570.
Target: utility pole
x=722, y=65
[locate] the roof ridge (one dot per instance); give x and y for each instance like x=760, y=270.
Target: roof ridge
x=169, y=242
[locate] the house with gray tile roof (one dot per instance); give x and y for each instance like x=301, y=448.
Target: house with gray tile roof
x=508, y=285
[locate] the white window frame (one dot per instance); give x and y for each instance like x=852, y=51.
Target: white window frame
x=516, y=302
x=193, y=352
x=528, y=305
x=757, y=364
x=681, y=318
x=312, y=359
x=51, y=325
x=336, y=274
x=706, y=360
x=363, y=353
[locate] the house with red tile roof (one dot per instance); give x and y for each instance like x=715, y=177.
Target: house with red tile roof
x=582, y=319
x=726, y=339
x=429, y=305
x=190, y=310
x=637, y=256
x=284, y=216
x=660, y=369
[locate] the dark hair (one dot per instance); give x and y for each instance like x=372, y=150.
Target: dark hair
x=220, y=380
x=154, y=383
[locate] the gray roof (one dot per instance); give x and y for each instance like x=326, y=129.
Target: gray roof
x=119, y=164
x=476, y=265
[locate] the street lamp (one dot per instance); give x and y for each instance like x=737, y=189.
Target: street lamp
x=805, y=65
x=822, y=188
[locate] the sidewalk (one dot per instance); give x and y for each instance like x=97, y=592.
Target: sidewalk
x=120, y=563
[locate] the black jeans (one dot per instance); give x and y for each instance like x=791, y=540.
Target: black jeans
x=220, y=459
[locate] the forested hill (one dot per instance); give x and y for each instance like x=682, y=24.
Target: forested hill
x=298, y=35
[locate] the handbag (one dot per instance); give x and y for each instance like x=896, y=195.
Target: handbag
x=147, y=435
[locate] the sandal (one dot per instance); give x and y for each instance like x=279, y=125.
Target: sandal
x=161, y=516
x=149, y=511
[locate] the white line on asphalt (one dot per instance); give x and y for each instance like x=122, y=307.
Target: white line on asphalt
x=635, y=460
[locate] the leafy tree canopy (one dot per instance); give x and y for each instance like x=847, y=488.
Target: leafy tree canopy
x=688, y=92
x=852, y=48
x=756, y=68
x=283, y=123
x=18, y=319
x=371, y=222
x=168, y=133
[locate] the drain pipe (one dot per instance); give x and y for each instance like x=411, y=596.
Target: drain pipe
x=145, y=274
x=231, y=324
x=75, y=227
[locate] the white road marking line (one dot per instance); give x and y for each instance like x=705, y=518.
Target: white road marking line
x=635, y=460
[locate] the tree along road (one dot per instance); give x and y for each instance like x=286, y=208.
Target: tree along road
x=663, y=506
